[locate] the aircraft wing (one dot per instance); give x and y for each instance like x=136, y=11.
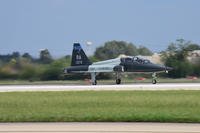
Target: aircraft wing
x=101, y=68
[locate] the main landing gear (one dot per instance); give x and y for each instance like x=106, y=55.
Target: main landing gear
x=154, y=81
x=94, y=81
x=118, y=81
x=93, y=78
x=118, y=78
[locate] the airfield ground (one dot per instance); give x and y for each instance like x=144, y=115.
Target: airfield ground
x=101, y=106
x=99, y=127
x=100, y=82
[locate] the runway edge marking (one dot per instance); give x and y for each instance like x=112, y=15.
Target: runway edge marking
x=150, y=87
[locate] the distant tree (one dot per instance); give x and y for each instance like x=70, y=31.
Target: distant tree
x=93, y=59
x=15, y=55
x=54, y=70
x=192, y=47
x=68, y=56
x=172, y=47
x=182, y=45
x=113, y=49
x=28, y=72
x=45, y=56
x=144, y=51
x=176, y=57
x=27, y=57
x=5, y=58
x=8, y=57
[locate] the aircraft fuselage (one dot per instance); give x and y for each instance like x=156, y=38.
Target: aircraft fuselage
x=127, y=64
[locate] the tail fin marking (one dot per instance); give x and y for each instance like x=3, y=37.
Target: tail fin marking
x=78, y=56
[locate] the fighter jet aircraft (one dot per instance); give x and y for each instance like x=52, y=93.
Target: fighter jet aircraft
x=81, y=64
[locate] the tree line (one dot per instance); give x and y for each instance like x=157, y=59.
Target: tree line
x=176, y=56
x=25, y=67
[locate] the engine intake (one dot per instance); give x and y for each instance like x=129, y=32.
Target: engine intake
x=118, y=68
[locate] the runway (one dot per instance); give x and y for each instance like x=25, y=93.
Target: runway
x=153, y=87
x=105, y=127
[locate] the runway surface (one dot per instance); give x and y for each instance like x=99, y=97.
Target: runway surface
x=162, y=86
x=105, y=127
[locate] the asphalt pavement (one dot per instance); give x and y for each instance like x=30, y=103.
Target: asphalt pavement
x=99, y=127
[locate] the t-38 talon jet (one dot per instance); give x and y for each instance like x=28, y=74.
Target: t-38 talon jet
x=81, y=64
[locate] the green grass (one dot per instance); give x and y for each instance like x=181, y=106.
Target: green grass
x=96, y=106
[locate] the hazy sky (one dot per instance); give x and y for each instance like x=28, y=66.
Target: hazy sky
x=31, y=25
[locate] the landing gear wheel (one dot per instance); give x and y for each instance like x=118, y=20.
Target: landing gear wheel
x=118, y=81
x=94, y=83
x=154, y=81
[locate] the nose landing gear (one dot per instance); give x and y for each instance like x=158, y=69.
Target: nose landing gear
x=154, y=81
x=118, y=81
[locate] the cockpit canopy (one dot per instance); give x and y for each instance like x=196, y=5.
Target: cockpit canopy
x=135, y=59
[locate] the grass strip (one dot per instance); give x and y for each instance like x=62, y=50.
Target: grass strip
x=100, y=106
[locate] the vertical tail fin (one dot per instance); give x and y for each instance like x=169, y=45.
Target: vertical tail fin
x=78, y=56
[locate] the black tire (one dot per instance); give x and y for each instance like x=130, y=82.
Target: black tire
x=118, y=81
x=154, y=81
x=94, y=83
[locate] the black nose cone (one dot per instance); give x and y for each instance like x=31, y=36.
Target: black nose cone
x=169, y=68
